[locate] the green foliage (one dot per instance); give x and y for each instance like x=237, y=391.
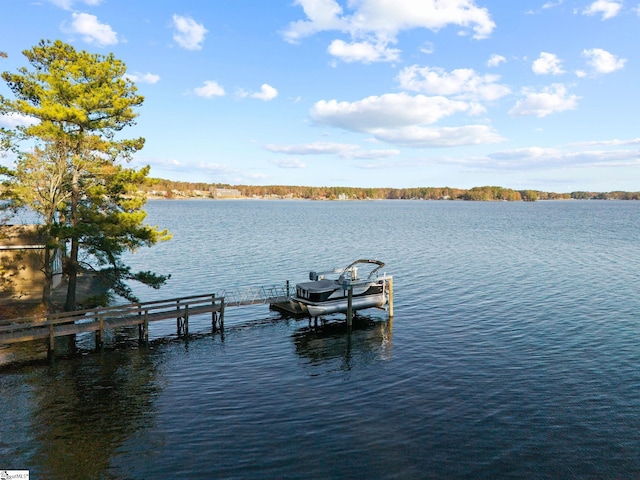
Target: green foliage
x=70, y=172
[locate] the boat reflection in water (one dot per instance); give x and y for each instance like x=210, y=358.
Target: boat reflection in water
x=368, y=340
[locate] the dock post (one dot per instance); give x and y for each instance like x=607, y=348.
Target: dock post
x=214, y=314
x=100, y=333
x=52, y=343
x=222, y=313
x=145, y=328
x=390, y=301
x=178, y=318
x=186, y=321
x=288, y=294
x=349, y=307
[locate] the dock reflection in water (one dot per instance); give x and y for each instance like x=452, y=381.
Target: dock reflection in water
x=368, y=340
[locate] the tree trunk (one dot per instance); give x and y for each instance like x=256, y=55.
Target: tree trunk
x=72, y=266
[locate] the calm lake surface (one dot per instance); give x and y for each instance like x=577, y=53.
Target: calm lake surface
x=514, y=352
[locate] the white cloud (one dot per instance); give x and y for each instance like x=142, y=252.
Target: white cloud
x=551, y=99
x=495, y=60
x=462, y=83
x=364, y=52
x=602, y=61
x=267, y=92
x=374, y=154
x=289, y=163
x=13, y=120
x=547, y=64
x=401, y=119
x=392, y=110
x=428, y=137
x=608, y=8
x=210, y=89
x=92, y=30
x=609, y=143
x=68, y=4
x=553, y=157
x=374, y=24
x=188, y=33
x=343, y=150
x=427, y=48
x=552, y=4
x=316, y=148
x=322, y=15
x=143, y=77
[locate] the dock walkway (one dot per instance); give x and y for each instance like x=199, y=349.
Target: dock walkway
x=26, y=329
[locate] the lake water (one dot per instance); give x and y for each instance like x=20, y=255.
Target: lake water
x=514, y=352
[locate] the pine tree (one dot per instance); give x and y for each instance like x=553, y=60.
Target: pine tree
x=77, y=104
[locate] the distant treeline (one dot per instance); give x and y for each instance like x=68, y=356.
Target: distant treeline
x=169, y=189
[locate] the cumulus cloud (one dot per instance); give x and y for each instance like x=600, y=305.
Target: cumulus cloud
x=92, y=30
x=602, y=61
x=551, y=99
x=463, y=83
x=189, y=34
x=390, y=110
x=375, y=24
x=210, y=89
x=402, y=119
x=608, y=9
x=495, y=60
x=266, y=93
x=364, y=52
x=547, y=64
x=137, y=77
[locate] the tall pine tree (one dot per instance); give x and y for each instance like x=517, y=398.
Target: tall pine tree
x=77, y=103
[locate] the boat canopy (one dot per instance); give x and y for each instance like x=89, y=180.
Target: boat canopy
x=350, y=272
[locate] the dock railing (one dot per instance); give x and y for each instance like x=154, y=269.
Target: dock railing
x=15, y=330
x=97, y=320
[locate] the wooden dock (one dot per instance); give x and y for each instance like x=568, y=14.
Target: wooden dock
x=97, y=320
x=51, y=326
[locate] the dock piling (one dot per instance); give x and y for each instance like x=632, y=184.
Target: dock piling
x=390, y=300
x=349, y=307
x=52, y=343
x=100, y=333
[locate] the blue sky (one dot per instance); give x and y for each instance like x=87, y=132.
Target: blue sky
x=367, y=93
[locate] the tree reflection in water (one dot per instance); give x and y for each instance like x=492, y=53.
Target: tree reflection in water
x=89, y=407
